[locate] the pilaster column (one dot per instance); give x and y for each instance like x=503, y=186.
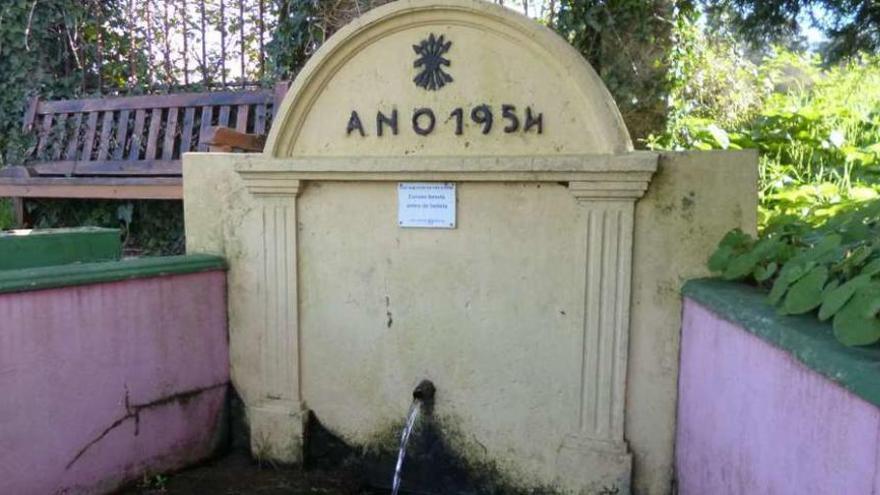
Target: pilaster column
x=277, y=419
x=605, y=237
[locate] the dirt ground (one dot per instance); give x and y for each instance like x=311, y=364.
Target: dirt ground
x=237, y=474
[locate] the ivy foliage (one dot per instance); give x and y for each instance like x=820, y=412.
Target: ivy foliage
x=303, y=26
x=296, y=37
x=832, y=269
x=627, y=42
x=42, y=51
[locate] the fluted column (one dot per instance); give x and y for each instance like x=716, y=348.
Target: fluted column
x=277, y=418
x=605, y=239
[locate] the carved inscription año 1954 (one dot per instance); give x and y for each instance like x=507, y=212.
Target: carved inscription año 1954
x=424, y=121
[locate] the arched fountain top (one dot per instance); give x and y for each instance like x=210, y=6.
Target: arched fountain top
x=496, y=57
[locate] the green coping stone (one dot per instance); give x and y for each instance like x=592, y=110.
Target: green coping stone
x=50, y=277
x=807, y=339
x=51, y=247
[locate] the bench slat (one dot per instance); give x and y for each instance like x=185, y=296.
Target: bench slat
x=58, y=143
x=170, y=134
x=30, y=114
x=104, y=143
x=280, y=91
x=207, y=116
x=156, y=101
x=121, y=135
x=89, y=140
x=137, y=135
x=186, y=133
x=260, y=120
x=44, y=134
x=61, y=167
x=223, y=119
x=73, y=140
x=241, y=118
x=93, y=187
x=109, y=168
x=153, y=136
x=128, y=167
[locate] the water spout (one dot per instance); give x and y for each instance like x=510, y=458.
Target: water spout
x=423, y=394
x=424, y=391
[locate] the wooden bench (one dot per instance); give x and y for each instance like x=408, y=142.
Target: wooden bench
x=130, y=147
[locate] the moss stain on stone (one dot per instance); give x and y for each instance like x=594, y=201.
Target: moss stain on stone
x=441, y=459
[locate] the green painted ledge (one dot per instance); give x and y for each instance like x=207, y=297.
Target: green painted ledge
x=807, y=339
x=50, y=277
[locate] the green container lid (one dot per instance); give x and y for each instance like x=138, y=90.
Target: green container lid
x=51, y=247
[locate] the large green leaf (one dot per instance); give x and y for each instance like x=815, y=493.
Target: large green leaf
x=780, y=287
x=791, y=272
x=835, y=299
x=830, y=286
x=763, y=273
x=855, y=258
x=871, y=268
x=826, y=249
x=741, y=265
x=806, y=293
x=856, y=323
x=735, y=238
x=720, y=258
x=768, y=248
x=794, y=270
x=734, y=245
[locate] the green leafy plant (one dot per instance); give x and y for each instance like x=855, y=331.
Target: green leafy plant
x=156, y=483
x=833, y=268
x=296, y=37
x=817, y=129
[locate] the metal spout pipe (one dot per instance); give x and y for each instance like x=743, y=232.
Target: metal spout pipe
x=424, y=391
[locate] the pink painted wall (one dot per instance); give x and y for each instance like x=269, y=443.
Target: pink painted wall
x=99, y=383
x=753, y=420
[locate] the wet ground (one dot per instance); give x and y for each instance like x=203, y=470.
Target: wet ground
x=237, y=474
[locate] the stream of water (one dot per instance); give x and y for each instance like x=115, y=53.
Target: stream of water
x=411, y=418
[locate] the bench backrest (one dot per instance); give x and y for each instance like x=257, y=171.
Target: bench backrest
x=138, y=135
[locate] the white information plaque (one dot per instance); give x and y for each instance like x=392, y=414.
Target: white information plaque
x=428, y=205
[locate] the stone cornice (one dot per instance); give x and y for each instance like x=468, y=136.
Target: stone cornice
x=600, y=176
x=270, y=184
x=632, y=188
